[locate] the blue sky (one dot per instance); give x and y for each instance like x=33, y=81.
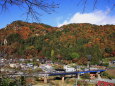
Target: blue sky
x=69, y=11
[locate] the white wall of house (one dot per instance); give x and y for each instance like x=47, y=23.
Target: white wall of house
x=69, y=69
x=14, y=65
x=46, y=68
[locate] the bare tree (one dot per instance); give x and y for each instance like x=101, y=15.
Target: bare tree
x=94, y=3
x=31, y=6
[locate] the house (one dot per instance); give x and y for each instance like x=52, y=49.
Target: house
x=37, y=60
x=30, y=65
x=22, y=60
x=49, y=62
x=14, y=65
x=2, y=60
x=23, y=65
x=69, y=69
x=92, y=76
x=46, y=68
x=91, y=68
x=113, y=61
x=59, y=70
x=35, y=67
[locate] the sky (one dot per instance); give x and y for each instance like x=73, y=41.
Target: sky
x=69, y=11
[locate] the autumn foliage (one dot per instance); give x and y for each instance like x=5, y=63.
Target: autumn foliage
x=33, y=40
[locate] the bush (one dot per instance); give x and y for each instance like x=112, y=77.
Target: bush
x=8, y=82
x=105, y=64
x=85, y=76
x=82, y=83
x=106, y=75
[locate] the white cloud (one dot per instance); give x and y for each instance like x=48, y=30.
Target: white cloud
x=97, y=17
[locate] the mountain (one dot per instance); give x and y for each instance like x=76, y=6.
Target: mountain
x=72, y=42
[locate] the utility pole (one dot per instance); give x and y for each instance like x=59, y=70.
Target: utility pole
x=89, y=59
x=76, y=78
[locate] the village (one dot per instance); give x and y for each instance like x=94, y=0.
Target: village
x=41, y=68
x=42, y=65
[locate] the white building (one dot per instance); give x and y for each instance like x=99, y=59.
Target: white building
x=69, y=69
x=14, y=65
x=46, y=68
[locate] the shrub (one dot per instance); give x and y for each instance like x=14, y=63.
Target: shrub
x=85, y=76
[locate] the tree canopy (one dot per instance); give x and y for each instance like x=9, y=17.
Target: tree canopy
x=69, y=42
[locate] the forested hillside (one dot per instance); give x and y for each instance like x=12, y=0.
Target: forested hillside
x=70, y=42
